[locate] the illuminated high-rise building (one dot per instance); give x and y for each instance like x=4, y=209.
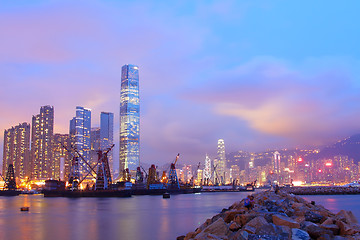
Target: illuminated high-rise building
x=61, y=158
x=80, y=127
x=94, y=144
x=276, y=162
x=42, y=143
x=207, y=169
x=129, y=152
x=16, y=150
x=221, y=164
x=107, y=135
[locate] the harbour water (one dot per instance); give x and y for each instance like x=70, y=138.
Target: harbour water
x=138, y=217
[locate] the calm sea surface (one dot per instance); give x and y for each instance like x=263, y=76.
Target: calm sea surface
x=138, y=217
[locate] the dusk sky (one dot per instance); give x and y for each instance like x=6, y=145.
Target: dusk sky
x=258, y=74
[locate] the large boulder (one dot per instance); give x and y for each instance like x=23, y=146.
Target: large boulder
x=313, y=217
x=346, y=216
x=347, y=229
x=249, y=229
x=298, y=234
x=218, y=228
x=235, y=227
x=257, y=222
x=242, y=219
x=285, y=221
x=230, y=215
x=332, y=227
x=315, y=231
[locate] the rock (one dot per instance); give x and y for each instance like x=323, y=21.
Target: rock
x=257, y=222
x=315, y=231
x=230, y=215
x=347, y=229
x=339, y=238
x=207, y=236
x=348, y=216
x=298, y=234
x=205, y=224
x=235, y=227
x=300, y=219
x=285, y=221
x=240, y=235
x=332, y=227
x=265, y=237
x=218, y=228
x=190, y=235
x=313, y=217
x=242, y=219
x=268, y=216
x=328, y=221
x=249, y=229
x=300, y=211
x=268, y=228
x=325, y=237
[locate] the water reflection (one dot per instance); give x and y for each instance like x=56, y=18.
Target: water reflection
x=139, y=217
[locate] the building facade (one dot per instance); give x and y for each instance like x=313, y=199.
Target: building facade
x=61, y=157
x=80, y=127
x=207, y=169
x=221, y=161
x=94, y=144
x=129, y=147
x=16, y=150
x=107, y=135
x=42, y=143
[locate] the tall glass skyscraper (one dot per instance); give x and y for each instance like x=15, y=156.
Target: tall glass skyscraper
x=80, y=127
x=221, y=161
x=129, y=154
x=107, y=135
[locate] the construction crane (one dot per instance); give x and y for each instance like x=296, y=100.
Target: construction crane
x=102, y=175
x=173, y=182
x=10, y=183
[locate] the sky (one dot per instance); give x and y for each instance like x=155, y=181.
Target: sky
x=258, y=74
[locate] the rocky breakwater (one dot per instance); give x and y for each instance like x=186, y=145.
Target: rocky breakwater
x=322, y=190
x=277, y=216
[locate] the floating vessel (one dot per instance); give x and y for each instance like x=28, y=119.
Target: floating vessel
x=9, y=193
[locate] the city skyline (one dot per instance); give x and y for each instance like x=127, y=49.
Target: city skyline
x=258, y=75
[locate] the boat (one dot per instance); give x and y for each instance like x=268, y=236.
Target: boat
x=9, y=192
x=24, y=209
x=250, y=187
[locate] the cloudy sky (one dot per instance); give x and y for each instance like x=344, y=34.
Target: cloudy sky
x=258, y=74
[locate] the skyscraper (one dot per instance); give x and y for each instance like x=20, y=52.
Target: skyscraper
x=17, y=150
x=107, y=135
x=207, y=169
x=61, y=158
x=276, y=162
x=221, y=165
x=129, y=154
x=80, y=127
x=42, y=143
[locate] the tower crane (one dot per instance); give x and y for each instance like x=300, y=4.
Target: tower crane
x=173, y=182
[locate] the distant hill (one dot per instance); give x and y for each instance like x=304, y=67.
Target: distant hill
x=349, y=146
